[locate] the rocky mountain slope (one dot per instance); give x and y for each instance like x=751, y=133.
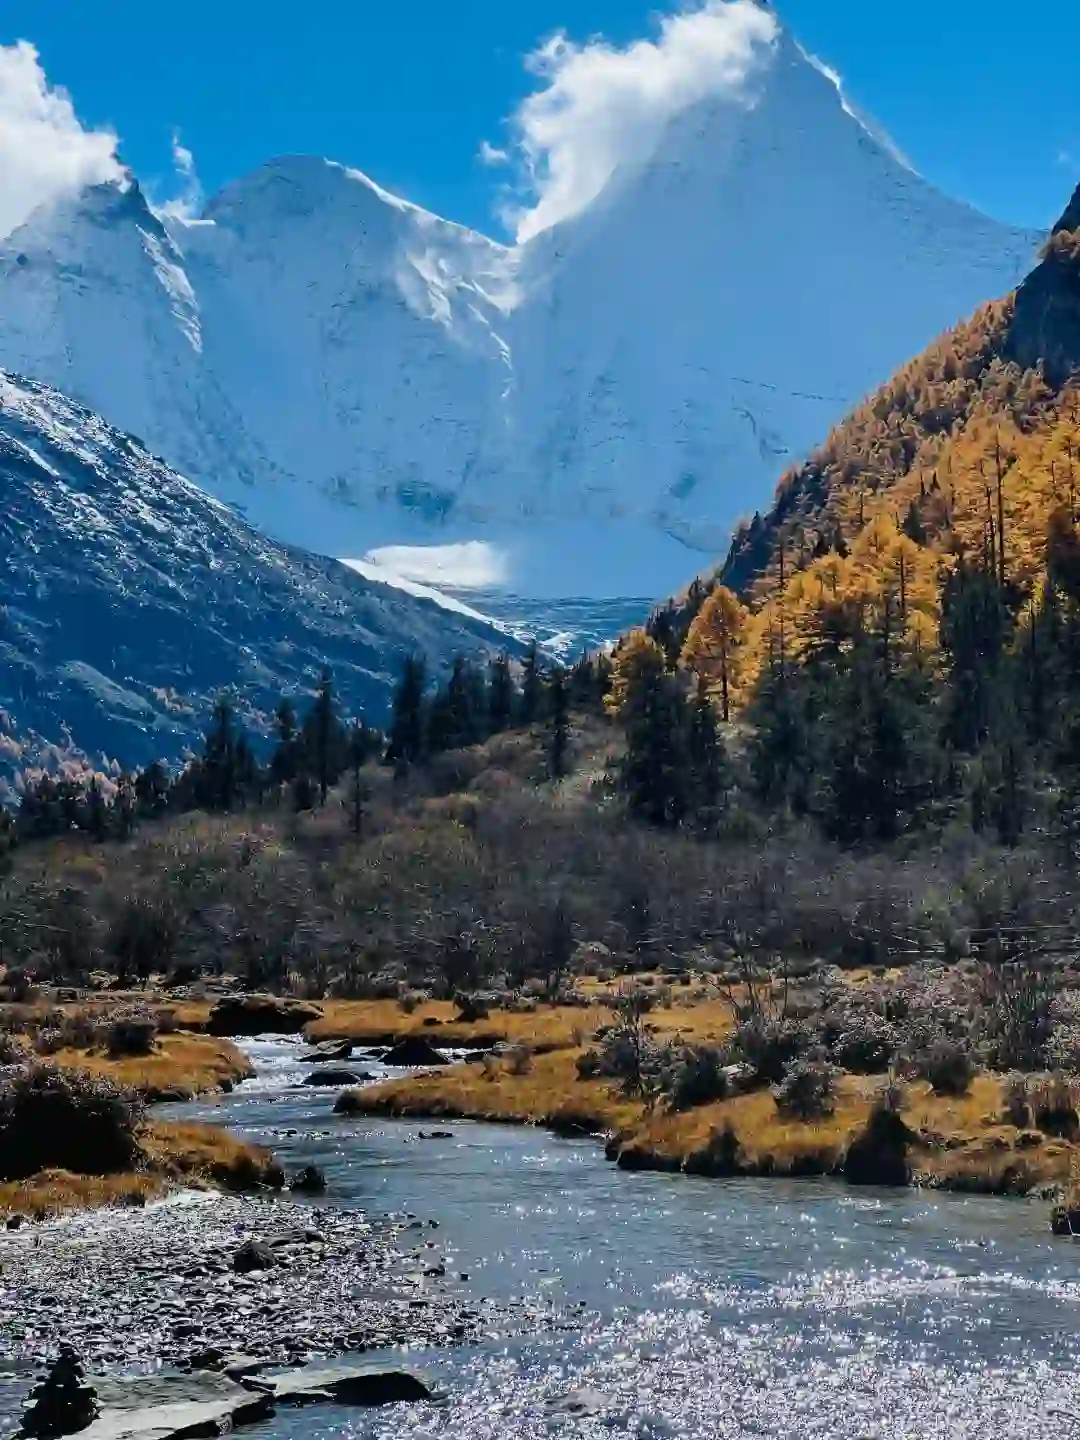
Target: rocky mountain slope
x=594, y=408
x=971, y=453
x=129, y=599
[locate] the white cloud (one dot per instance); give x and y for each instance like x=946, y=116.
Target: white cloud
x=492, y=155
x=45, y=151
x=187, y=204
x=599, y=104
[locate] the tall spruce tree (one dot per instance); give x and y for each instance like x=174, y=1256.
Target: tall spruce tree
x=324, y=739
x=501, y=696
x=559, y=723
x=531, y=686
x=406, y=745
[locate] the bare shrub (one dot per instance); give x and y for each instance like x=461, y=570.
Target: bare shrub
x=807, y=1091
x=698, y=1078
x=948, y=1067
x=131, y=1034
x=518, y=1060
x=1053, y=1107
x=67, y=1120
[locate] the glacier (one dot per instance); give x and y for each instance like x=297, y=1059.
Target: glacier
x=586, y=413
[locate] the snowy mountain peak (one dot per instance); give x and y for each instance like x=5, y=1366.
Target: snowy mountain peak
x=592, y=409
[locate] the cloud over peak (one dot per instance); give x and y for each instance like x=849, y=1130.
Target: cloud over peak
x=599, y=105
x=45, y=151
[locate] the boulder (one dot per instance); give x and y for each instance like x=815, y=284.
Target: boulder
x=260, y=1015
x=168, y=1407
x=309, y=1181
x=328, y=1054
x=329, y=1078
x=347, y=1382
x=253, y=1255
x=413, y=1052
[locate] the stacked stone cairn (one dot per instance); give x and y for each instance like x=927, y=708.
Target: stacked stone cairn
x=62, y=1403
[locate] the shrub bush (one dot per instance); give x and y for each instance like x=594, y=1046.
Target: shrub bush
x=1017, y=1102
x=1053, y=1108
x=698, y=1078
x=772, y=1046
x=948, y=1067
x=807, y=1091
x=66, y=1120
x=131, y=1035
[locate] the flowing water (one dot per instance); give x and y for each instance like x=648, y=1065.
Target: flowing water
x=699, y=1308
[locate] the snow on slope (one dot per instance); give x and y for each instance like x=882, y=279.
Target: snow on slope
x=596, y=407
x=129, y=599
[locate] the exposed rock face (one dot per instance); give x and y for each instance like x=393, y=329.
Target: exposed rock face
x=1046, y=323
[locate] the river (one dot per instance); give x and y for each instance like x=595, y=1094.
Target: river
x=694, y=1307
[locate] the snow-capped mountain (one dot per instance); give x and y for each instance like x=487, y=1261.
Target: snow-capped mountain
x=129, y=600
x=589, y=411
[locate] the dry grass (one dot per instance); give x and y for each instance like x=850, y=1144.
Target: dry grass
x=965, y=1144
x=181, y=1066
x=548, y=1027
x=198, y=1156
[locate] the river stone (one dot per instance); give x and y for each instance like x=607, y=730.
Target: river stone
x=254, y=1255
x=327, y=1054
x=335, y=1077
x=167, y=1407
x=412, y=1052
x=348, y=1382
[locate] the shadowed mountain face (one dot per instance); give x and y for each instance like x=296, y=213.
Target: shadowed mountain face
x=129, y=599
x=1045, y=328
x=596, y=406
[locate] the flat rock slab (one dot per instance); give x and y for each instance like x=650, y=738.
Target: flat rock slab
x=347, y=1382
x=174, y=1407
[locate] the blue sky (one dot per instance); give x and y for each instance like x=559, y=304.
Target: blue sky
x=986, y=104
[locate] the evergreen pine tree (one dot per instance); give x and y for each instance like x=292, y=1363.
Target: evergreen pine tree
x=709, y=780
x=559, y=722
x=531, y=686
x=97, y=812
x=285, y=762
x=324, y=739
x=406, y=745
x=216, y=779
x=501, y=696
x=656, y=769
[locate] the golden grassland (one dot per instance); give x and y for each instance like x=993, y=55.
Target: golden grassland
x=963, y=1143
x=181, y=1066
x=547, y=1027
x=196, y=1156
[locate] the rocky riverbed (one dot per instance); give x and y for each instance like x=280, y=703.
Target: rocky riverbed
x=160, y=1286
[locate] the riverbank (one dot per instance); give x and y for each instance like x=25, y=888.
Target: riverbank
x=179, y=1066
x=166, y=1287
x=959, y=1143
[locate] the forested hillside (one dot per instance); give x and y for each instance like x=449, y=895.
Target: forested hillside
x=916, y=583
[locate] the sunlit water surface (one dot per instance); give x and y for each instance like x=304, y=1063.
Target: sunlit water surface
x=693, y=1307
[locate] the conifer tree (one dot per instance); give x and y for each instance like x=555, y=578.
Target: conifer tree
x=709, y=779
x=217, y=785
x=559, y=723
x=324, y=739
x=501, y=696
x=656, y=769
x=406, y=744
x=716, y=645
x=531, y=686
x=285, y=762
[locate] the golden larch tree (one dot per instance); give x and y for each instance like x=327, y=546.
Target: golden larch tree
x=716, y=646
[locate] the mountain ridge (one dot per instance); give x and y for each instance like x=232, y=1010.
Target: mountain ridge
x=130, y=599
x=596, y=406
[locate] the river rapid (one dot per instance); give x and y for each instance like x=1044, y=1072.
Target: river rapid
x=674, y=1307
